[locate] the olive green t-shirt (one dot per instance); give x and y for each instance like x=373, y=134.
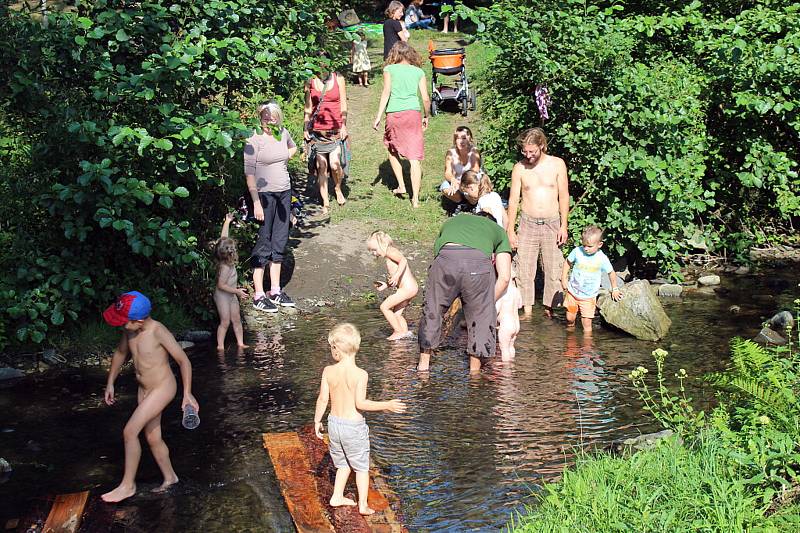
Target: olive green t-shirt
x=405, y=87
x=475, y=232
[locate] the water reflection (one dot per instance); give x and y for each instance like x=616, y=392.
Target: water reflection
x=468, y=452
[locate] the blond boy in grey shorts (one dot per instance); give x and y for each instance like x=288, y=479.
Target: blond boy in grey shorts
x=346, y=386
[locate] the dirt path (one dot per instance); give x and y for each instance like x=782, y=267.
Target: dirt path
x=331, y=264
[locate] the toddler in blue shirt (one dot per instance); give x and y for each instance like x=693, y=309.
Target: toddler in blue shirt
x=588, y=265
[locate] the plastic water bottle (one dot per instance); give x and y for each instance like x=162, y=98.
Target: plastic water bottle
x=190, y=417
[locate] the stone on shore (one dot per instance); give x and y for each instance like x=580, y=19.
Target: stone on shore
x=10, y=373
x=768, y=336
x=710, y=279
x=742, y=270
x=638, y=313
x=196, y=336
x=670, y=290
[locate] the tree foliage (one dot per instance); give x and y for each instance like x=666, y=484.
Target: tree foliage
x=678, y=120
x=121, y=127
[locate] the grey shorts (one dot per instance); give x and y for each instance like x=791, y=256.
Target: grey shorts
x=349, y=443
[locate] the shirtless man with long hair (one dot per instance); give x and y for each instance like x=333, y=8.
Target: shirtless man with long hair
x=541, y=180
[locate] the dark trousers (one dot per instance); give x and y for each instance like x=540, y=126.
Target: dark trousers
x=274, y=234
x=467, y=273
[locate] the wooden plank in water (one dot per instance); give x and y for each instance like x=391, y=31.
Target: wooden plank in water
x=65, y=515
x=347, y=519
x=297, y=483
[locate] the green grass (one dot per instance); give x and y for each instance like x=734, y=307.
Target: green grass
x=371, y=179
x=670, y=487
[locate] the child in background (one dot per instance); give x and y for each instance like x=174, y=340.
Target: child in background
x=360, y=59
x=346, y=385
x=227, y=294
x=149, y=343
x=400, y=276
x=588, y=264
x=508, y=319
x=476, y=188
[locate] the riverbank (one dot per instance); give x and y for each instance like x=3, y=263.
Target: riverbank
x=730, y=469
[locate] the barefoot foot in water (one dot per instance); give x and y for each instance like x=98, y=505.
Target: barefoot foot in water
x=339, y=502
x=164, y=487
x=119, y=494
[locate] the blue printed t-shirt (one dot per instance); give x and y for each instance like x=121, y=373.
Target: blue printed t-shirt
x=584, y=282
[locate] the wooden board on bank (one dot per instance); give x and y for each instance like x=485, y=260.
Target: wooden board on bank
x=305, y=473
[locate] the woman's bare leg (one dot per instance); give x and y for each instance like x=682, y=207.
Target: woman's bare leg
x=338, y=175
x=416, y=181
x=258, y=280
x=322, y=181
x=397, y=168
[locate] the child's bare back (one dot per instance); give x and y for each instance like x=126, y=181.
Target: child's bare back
x=343, y=381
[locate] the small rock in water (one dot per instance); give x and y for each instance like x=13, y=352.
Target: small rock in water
x=196, y=336
x=185, y=344
x=768, y=336
x=742, y=270
x=734, y=309
x=710, y=279
x=781, y=321
x=10, y=373
x=4, y=466
x=670, y=290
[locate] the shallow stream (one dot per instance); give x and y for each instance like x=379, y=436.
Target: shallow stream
x=467, y=455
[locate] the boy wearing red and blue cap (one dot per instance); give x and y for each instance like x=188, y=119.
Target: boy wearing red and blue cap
x=149, y=343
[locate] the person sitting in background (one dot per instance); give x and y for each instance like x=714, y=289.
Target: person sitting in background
x=461, y=157
x=415, y=18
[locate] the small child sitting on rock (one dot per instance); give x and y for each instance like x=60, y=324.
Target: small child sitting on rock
x=588, y=265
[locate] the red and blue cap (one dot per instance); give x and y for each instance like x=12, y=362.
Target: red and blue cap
x=130, y=306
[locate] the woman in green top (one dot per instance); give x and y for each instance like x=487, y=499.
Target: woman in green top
x=403, y=85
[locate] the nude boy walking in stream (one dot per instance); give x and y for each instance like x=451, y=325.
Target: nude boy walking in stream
x=541, y=180
x=149, y=342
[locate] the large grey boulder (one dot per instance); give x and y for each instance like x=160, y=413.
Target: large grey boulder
x=638, y=313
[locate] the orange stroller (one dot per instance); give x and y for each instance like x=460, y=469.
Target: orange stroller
x=450, y=62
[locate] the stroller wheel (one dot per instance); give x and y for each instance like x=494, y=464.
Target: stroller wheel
x=464, y=106
x=434, y=108
x=473, y=100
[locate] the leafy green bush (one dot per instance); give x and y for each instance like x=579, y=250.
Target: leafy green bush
x=679, y=121
x=121, y=128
